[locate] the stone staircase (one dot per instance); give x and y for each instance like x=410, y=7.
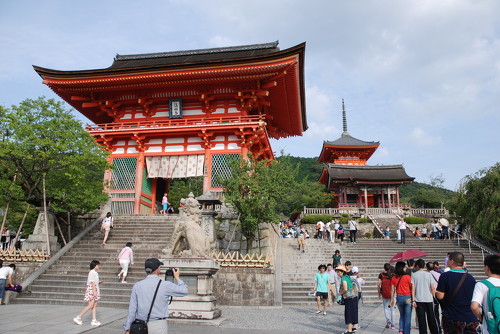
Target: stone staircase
x=393, y=222
x=369, y=255
x=65, y=281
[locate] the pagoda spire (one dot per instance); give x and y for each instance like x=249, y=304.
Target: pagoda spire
x=344, y=119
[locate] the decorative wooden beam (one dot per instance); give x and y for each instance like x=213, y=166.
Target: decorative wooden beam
x=269, y=84
x=79, y=98
x=140, y=142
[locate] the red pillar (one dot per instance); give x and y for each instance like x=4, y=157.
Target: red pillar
x=139, y=171
x=207, y=173
x=153, y=196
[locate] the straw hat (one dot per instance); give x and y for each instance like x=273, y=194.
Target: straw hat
x=341, y=267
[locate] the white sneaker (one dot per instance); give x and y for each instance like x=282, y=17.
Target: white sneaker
x=78, y=320
x=95, y=323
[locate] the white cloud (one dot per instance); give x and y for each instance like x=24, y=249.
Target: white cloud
x=421, y=138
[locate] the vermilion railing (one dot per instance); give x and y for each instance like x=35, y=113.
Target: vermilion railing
x=183, y=122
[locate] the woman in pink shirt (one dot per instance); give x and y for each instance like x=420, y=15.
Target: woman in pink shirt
x=125, y=258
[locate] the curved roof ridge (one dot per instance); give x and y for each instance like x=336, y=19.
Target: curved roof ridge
x=271, y=45
x=347, y=140
x=366, y=166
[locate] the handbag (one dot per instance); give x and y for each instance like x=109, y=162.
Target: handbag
x=140, y=326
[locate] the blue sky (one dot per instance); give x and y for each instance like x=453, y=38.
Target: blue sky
x=421, y=77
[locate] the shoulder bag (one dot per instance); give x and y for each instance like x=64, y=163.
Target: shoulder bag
x=447, y=301
x=141, y=326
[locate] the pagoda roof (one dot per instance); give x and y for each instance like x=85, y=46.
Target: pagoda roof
x=380, y=174
x=279, y=74
x=347, y=140
x=332, y=149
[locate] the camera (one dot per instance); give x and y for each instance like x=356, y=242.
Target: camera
x=169, y=273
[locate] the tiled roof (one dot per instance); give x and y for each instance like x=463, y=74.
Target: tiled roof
x=194, y=56
x=368, y=173
x=348, y=140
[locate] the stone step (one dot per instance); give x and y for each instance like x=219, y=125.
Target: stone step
x=73, y=301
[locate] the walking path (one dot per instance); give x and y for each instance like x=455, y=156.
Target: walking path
x=35, y=318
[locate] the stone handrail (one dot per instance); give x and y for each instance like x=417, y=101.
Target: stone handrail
x=384, y=211
x=329, y=211
x=429, y=212
x=375, y=211
x=28, y=281
x=377, y=225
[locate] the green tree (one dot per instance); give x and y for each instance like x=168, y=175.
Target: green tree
x=40, y=139
x=180, y=188
x=255, y=190
x=478, y=203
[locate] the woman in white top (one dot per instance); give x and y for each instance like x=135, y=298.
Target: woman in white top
x=106, y=226
x=92, y=294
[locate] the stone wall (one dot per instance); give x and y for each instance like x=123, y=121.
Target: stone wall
x=244, y=286
x=23, y=270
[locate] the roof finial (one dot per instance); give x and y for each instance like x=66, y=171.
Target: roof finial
x=344, y=119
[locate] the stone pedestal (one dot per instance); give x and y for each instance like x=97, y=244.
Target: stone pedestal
x=197, y=273
x=38, y=240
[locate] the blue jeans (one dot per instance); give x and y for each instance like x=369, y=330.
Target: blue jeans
x=404, y=312
x=389, y=312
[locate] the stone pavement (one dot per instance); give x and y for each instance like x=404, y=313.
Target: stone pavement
x=32, y=318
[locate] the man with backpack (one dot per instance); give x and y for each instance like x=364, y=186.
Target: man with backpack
x=486, y=297
x=384, y=292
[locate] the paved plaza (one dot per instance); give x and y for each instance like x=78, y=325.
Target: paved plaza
x=28, y=318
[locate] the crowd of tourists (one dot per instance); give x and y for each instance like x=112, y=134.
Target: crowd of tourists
x=329, y=231
x=445, y=300
x=341, y=283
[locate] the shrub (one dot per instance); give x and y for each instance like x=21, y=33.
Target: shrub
x=344, y=219
x=365, y=220
x=368, y=235
x=313, y=219
x=416, y=220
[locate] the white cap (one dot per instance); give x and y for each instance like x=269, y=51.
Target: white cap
x=354, y=270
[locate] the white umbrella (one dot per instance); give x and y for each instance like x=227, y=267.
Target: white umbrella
x=444, y=222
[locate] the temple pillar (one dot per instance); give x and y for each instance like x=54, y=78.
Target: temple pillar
x=153, y=195
x=366, y=197
x=139, y=171
x=383, y=195
x=207, y=173
x=397, y=196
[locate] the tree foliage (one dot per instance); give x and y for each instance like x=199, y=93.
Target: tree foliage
x=478, y=202
x=431, y=195
x=255, y=190
x=180, y=188
x=39, y=138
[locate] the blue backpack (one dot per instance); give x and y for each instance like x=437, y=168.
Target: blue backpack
x=493, y=316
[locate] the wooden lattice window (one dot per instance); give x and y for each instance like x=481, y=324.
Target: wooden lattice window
x=123, y=175
x=220, y=168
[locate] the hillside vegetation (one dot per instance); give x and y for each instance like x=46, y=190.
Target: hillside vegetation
x=417, y=193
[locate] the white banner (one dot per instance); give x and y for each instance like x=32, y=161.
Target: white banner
x=175, y=166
